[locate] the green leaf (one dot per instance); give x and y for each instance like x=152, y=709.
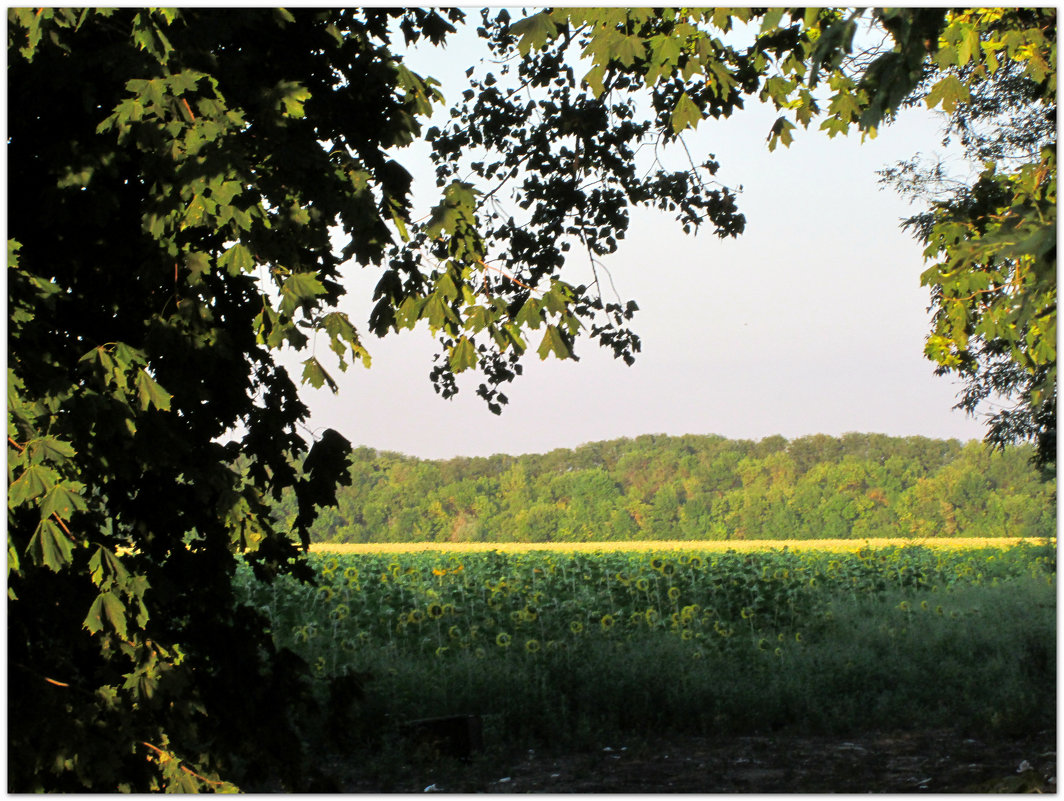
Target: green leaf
x=338, y=326
x=446, y=286
x=477, y=318
x=106, y=569
x=463, y=355
x=686, y=114
x=48, y=449
x=315, y=375
x=298, y=289
x=409, y=312
x=236, y=260
x=594, y=78
x=292, y=96
x=556, y=299
x=535, y=31
x=458, y=205
x=62, y=501
x=781, y=132
x=50, y=546
x=35, y=480
x=150, y=393
x=107, y=607
x=949, y=91
x=771, y=20
x=437, y=311
x=530, y=314
x=554, y=341
x=627, y=49
x=224, y=193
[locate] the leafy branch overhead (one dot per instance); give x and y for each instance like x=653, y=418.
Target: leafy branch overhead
x=190, y=189
x=993, y=277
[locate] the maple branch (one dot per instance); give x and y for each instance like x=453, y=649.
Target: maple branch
x=62, y=524
x=487, y=266
x=183, y=767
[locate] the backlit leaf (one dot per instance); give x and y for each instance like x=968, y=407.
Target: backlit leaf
x=315, y=375
x=686, y=114
x=299, y=289
x=554, y=341
x=463, y=355
x=534, y=31
x=150, y=393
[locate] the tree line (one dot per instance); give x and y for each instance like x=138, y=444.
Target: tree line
x=694, y=487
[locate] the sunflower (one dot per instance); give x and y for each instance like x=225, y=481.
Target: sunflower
x=434, y=610
x=687, y=634
x=607, y=622
x=339, y=612
x=674, y=593
x=657, y=563
x=532, y=646
x=696, y=562
x=351, y=574
x=668, y=569
x=454, y=632
x=325, y=594
x=642, y=584
x=652, y=616
x=502, y=640
x=415, y=616
x=576, y=626
x=441, y=650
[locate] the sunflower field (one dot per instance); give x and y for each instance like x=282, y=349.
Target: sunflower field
x=542, y=642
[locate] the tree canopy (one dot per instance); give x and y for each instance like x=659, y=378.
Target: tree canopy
x=177, y=178
x=694, y=488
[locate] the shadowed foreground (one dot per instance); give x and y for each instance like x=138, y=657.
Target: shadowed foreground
x=933, y=761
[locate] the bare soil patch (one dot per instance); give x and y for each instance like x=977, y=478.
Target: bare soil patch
x=897, y=762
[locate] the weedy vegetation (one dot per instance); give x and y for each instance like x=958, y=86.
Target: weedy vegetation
x=569, y=648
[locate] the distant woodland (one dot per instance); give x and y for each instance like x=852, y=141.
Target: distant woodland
x=695, y=487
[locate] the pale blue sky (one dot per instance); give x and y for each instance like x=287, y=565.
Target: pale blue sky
x=813, y=321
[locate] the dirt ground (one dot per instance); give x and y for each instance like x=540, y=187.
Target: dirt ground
x=913, y=762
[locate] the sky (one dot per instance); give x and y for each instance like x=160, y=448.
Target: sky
x=812, y=321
